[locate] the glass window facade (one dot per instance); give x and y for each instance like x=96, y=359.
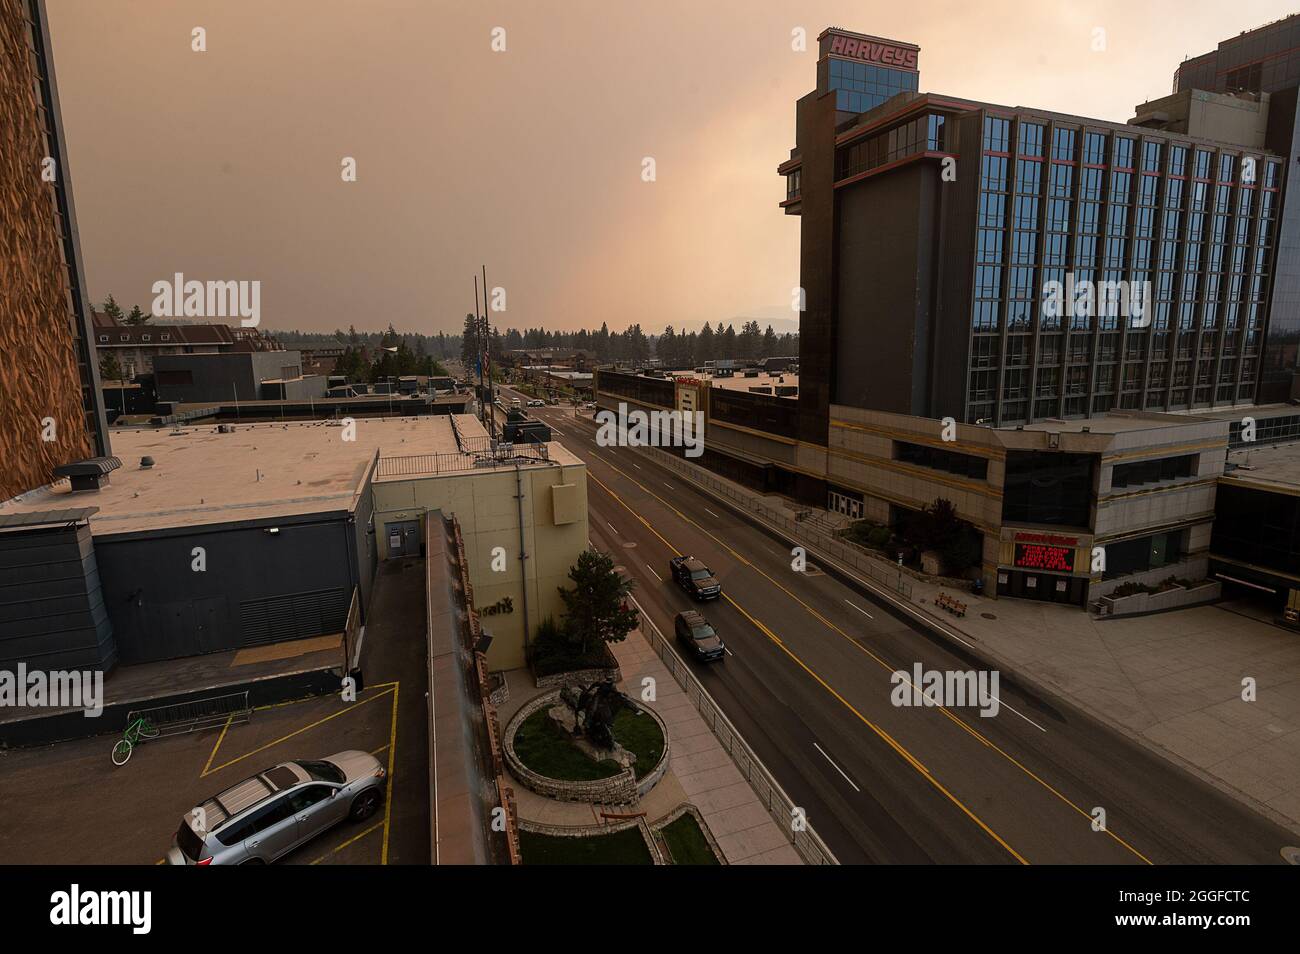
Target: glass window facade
x=1143, y=472
x=861, y=86
x=1186, y=230
x=1144, y=553
x=925, y=133
x=1048, y=489
x=1257, y=527
x=951, y=462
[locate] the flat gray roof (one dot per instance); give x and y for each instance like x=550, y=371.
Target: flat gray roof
x=258, y=471
x=1272, y=465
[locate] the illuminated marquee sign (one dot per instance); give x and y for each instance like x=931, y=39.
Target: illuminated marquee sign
x=1039, y=556
x=870, y=50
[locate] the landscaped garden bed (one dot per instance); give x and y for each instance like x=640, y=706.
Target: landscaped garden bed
x=687, y=843
x=543, y=746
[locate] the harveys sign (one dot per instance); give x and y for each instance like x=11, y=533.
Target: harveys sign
x=869, y=50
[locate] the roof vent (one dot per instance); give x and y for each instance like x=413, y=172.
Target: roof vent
x=87, y=475
x=146, y=463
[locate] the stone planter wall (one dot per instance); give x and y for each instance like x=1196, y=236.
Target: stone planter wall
x=621, y=789
x=580, y=677
x=594, y=831
x=1174, y=598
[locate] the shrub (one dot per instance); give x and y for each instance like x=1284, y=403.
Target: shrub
x=554, y=651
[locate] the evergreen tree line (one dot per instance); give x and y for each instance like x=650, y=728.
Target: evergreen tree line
x=678, y=349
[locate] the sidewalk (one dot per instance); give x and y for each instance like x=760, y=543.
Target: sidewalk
x=1171, y=681
x=699, y=770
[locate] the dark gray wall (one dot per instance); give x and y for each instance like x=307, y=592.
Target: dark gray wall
x=310, y=386
x=815, y=137
x=885, y=285
x=258, y=588
x=221, y=377
x=955, y=235
x=52, y=613
x=1282, y=334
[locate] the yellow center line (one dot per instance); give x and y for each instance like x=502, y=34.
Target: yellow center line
x=881, y=733
x=859, y=647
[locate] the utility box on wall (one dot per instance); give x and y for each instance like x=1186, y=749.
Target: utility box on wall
x=564, y=503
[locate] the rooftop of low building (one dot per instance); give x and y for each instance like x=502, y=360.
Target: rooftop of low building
x=232, y=473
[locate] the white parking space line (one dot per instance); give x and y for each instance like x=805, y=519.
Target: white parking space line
x=611, y=526
x=727, y=650
x=712, y=514
x=652, y=570
x=836, y=767
x=636, y=465
x=669, y=486
x=859, y=609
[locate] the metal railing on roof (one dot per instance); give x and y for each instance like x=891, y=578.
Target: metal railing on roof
x=490, y=456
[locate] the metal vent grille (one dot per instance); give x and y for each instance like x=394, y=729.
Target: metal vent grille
x=292, y=616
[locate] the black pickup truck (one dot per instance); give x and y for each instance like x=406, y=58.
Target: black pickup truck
x=695, y=578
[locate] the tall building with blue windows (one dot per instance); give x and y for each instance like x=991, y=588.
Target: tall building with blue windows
x=863, y=70
x=1057, y=323
x=937, y=234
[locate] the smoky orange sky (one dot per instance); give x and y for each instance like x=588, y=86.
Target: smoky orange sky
x=226, y=164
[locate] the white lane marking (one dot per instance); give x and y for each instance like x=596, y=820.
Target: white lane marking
x=859, y=609
x=712, y=514
x=669, y=486
x=1025, y=717
x=652, y=570
x=636, y=465
x=726, y=650
x=886, y=595
x=611, y=526
x=556, y=430
x=836, y=767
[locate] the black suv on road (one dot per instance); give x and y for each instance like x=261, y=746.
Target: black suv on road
x=699, y=638
x=695, y=578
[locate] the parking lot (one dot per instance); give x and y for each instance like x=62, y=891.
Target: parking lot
x=68, y=803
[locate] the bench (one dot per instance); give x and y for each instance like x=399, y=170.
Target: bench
x=948, y=604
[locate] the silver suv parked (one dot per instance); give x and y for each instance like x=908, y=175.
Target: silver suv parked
x=267, y=816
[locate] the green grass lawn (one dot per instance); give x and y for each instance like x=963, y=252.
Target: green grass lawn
x=640, y=735
x=621, y=848
x=687, y=843
x=545, y=748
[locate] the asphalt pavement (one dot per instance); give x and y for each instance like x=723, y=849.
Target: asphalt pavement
x=807, y=680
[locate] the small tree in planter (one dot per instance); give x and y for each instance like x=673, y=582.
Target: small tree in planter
x=596, y=610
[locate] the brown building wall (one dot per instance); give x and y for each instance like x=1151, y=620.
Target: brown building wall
x=39, y=376
x=815, y=135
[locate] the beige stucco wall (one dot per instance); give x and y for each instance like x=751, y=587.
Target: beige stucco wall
x=484, y=502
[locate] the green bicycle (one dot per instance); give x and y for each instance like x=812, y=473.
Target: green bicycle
x=137, y=730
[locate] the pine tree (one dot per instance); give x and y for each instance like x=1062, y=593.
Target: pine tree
x=596, y=607
x=112, y=309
